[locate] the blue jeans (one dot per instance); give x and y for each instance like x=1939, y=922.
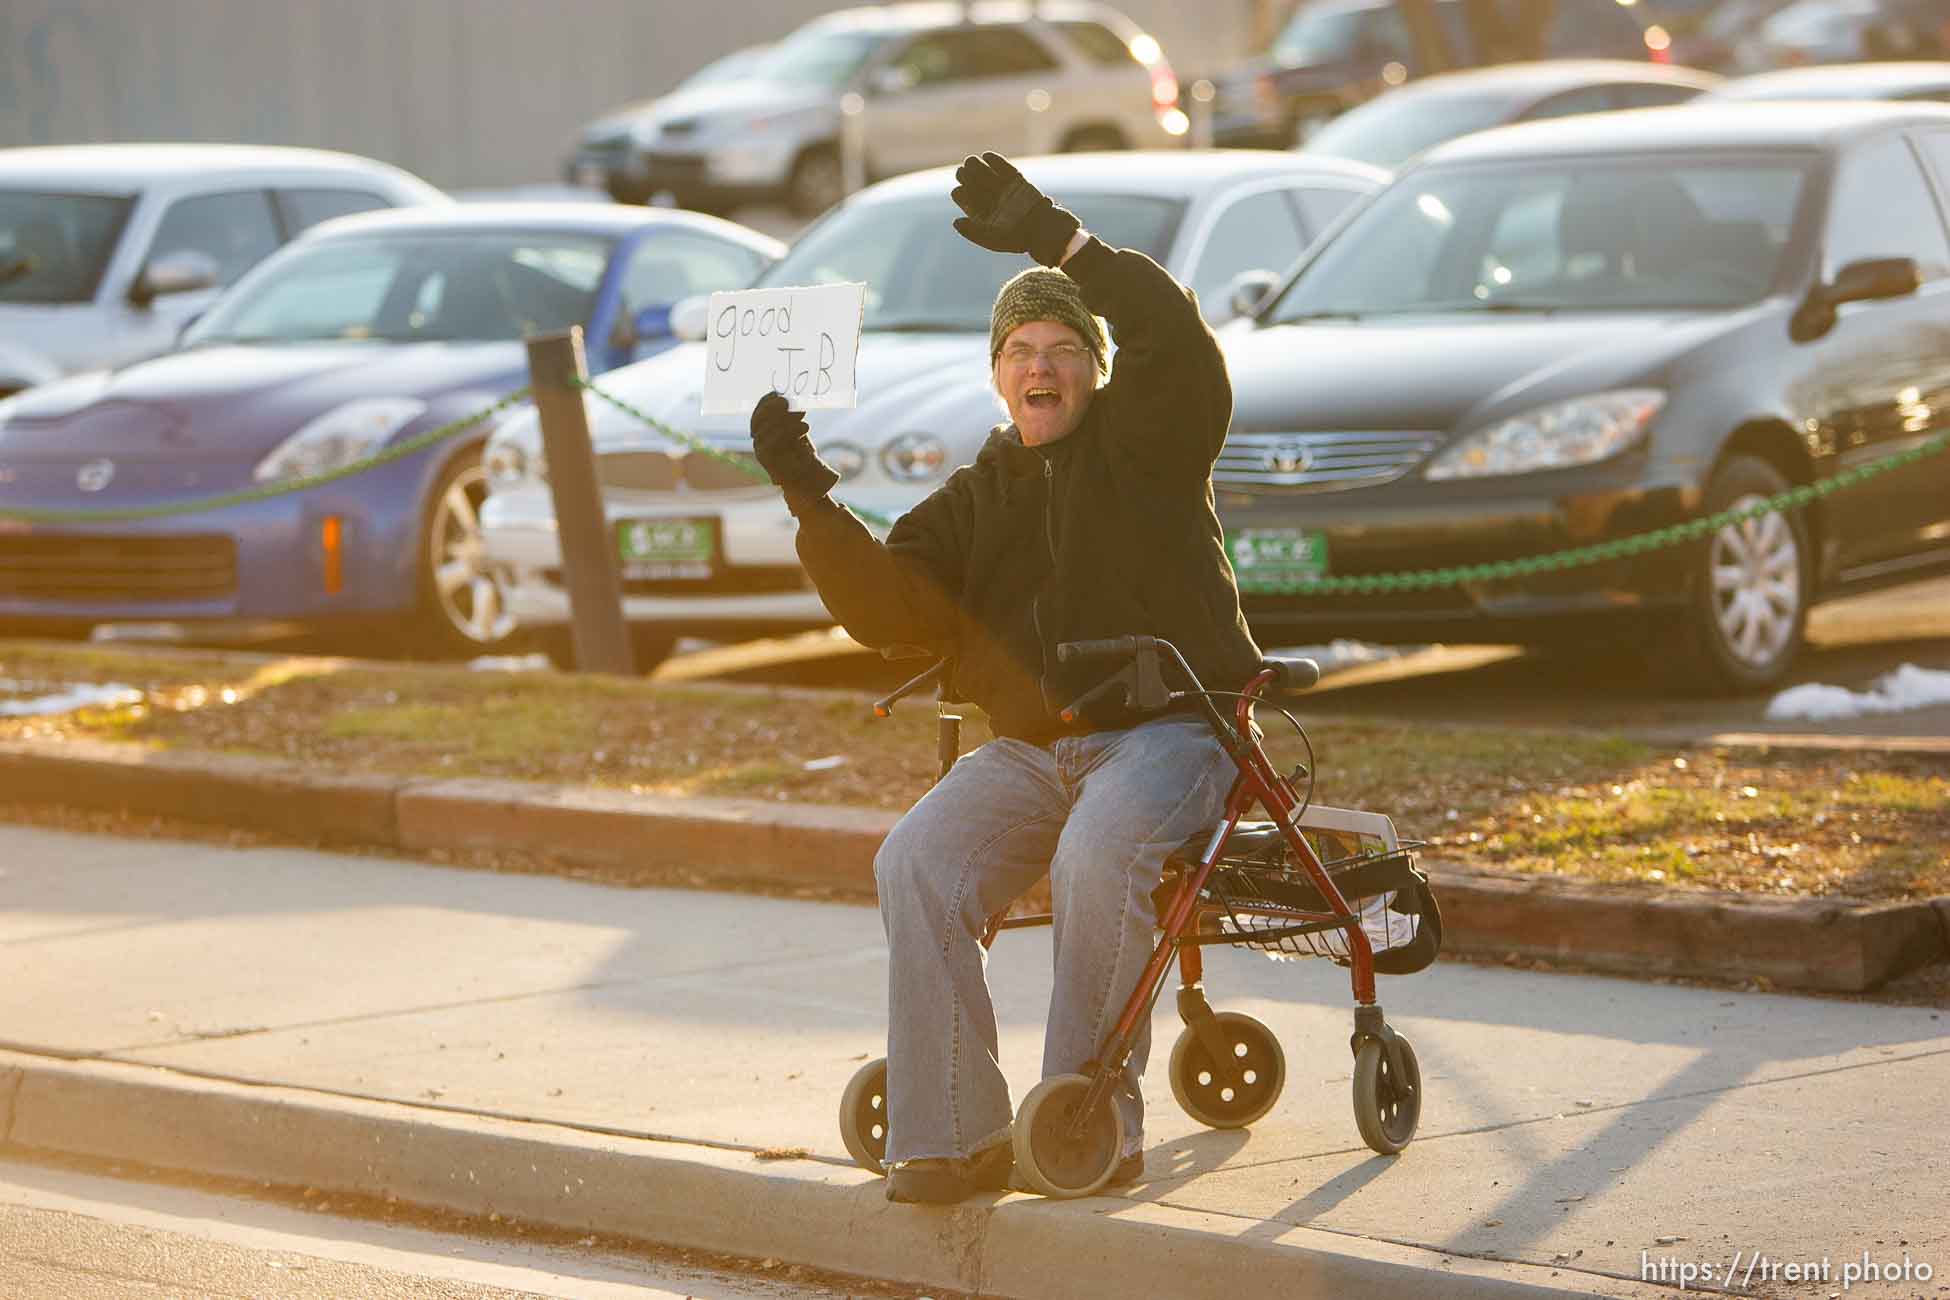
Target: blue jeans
x=1100, y=813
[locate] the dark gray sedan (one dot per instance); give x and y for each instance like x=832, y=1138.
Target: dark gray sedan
x=1556, y=335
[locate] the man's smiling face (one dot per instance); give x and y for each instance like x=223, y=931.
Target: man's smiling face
x=1046, y=376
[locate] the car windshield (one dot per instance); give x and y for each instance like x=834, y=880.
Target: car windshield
x=1593, y=234
x=462, y=286
x=54, y=247
x=921, y=275
x=816, y=58
x=1390, y=130
x=1317, y=36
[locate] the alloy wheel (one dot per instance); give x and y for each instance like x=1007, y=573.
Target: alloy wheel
x=1755, y=568
x=470, y=599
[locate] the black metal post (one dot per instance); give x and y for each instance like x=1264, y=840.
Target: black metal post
x=601, y=640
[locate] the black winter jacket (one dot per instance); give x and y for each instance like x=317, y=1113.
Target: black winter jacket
x=1108, y=532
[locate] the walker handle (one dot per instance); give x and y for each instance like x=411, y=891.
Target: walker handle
x=1116, y=645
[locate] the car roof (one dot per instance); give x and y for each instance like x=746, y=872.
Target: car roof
x=919, y=15
x=595, y=218
x=124, y=167
x=1847, y=80
x=1171, y=173
x=1776, y=124
x=1549, y=76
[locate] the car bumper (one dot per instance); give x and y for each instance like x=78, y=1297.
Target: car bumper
x=748, y=170
x=1416, y=526
x=262, y=561
x=755, y=585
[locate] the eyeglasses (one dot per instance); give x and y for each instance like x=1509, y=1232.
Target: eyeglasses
x=1062, y=356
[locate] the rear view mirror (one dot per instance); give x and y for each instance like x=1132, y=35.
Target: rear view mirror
x=1864, y=280
x=690, y=317
x=1246, y=291
x=183, y=271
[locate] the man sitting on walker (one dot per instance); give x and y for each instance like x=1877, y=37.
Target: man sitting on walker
x=1088, y=515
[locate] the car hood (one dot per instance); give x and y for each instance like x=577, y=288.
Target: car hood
x=713, y=101
x=1445, y=373
x=908, y=383
x=220, y=402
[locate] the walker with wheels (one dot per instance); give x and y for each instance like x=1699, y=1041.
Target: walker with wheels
x=1308, y=882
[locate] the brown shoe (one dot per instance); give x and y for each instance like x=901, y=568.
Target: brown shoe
x=946, y=1180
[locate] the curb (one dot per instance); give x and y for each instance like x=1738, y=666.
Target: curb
x=1835, y=946
x=825, y=1216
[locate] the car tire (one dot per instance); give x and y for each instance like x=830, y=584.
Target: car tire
x=1091, y=139
x=1747, y=593
x=462, y=610
x=649, y=645
x=817, y=181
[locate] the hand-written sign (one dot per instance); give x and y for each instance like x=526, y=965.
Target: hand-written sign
x=800, y=342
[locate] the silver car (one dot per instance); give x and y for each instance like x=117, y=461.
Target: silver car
x=895, y=87
x=1225, y=222
x=107, y=251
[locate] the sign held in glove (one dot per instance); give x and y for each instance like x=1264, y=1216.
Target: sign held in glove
x=803, y=343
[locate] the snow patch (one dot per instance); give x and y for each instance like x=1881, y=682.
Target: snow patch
x=1908, y=687
x=108, y=695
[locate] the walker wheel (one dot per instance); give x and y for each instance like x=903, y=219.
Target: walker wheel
x=1386, y=1109
x=863, y=1116
x=1053, y=1164
x=1256, y=1058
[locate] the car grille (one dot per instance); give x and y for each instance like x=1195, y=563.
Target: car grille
x=660, y=471
x=1319, y=462
x=55, y=566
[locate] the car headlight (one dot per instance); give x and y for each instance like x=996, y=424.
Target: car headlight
x=339, y=437
x=1578, y=432
x=846, y=458
x=914, y=457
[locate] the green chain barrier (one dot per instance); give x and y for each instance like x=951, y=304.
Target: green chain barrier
x=1430, y=579
x=743, y=464
x=268, y=490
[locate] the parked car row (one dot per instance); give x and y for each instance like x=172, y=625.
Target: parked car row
x=1537, y=337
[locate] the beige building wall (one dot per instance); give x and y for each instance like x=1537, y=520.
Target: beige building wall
x=466, y=93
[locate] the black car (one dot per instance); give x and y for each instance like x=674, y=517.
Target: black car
x=1334, y=54
x=1553, y=335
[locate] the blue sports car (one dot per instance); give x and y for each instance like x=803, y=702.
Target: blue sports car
x=363, y=333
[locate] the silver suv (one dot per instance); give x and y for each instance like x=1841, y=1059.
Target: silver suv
x=107, y=251
x=890, y=89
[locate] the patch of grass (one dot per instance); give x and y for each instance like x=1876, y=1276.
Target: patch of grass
x=1597, y=807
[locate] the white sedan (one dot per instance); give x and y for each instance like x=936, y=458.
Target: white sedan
x=706, y=547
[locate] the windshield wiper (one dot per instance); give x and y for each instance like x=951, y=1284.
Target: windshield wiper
x=1321, y=315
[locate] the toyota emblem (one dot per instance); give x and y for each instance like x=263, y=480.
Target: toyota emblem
x=94, y=475
x=1289, y=458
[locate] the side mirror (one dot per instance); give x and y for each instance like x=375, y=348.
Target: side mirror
x=1860, y=281
x=691, y=317
x=183, y=271
x=1246, y=291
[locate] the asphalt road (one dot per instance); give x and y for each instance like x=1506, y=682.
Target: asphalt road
x=67, y=1234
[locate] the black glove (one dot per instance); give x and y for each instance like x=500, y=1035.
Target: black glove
x=1007, y=214
x=784, y=451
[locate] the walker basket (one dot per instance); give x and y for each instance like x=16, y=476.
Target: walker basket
x=1264, y=900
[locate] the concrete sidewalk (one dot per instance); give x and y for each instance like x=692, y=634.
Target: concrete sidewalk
x=667, y=1065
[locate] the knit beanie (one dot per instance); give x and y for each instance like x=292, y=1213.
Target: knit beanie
x=1041, y=293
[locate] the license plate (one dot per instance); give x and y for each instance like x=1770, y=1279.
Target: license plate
x=658, y=549
x=1276, y=559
